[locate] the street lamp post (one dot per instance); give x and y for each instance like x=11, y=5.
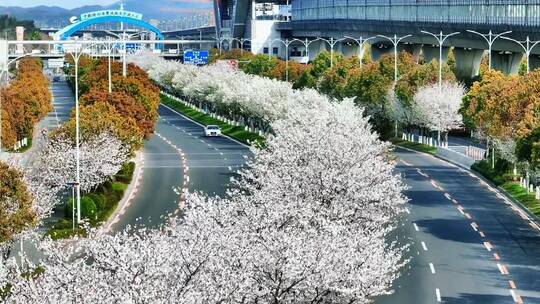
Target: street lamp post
x=490, y=39
x=306, y=44
x=395, y=41
x=360, y=41
x=287, y=42
x=76, y=58
x=331, y=42
x=526, y=46
x=124, y=38
x=440, y=39
x=241, y=41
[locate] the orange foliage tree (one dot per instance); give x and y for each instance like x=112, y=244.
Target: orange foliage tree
x=25, y=101
x=135, y=96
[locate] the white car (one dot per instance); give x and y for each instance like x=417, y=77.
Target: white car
x=212, y=130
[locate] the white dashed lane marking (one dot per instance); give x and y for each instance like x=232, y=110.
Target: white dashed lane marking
x=432, y=268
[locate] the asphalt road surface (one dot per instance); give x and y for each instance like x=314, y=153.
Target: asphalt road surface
x=469, y=244
x=210, y=162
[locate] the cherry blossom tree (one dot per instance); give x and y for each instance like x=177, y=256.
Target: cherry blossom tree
x=402, y=113
x=439, y=106
x=101, y=157
x=318, y=201
x=308, y=221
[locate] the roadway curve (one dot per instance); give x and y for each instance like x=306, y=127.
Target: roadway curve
x=468, y=243
x=207, y=166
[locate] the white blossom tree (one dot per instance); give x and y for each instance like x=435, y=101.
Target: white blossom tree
x=405, y=114
x=308, y=222
x=101, y=157
x=439, y=106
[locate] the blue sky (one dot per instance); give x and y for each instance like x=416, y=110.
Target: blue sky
x=62, y=3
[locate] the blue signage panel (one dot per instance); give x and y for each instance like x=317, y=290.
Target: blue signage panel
x=196, y=57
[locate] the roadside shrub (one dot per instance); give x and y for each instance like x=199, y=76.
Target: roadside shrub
x=88, y=208
x=498, y=175
x=99, y=200
x=119, y=189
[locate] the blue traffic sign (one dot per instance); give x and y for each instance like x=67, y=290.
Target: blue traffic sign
x=196, y=57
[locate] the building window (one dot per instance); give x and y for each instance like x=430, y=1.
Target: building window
x=265, y=50
x=275, y=50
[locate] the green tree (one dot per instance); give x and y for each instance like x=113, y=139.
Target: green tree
x=334, y=80
x=260, y=65
x=369, y=85
x=322, y=62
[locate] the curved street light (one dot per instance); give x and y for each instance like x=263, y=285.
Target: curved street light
x=124, y=37
x=360, y=41
x=440, y=39
x=241, y=41
x=331, y=42
x=76, y=58
x=287, y=42
x=395, y=41
x=490, y=39
x=526, y=46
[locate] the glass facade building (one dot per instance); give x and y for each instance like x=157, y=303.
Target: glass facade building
x=504, y=12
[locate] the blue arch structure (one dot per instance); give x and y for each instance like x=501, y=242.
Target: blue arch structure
x=66, y=32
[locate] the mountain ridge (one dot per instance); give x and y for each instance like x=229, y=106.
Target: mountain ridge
x=55, y=16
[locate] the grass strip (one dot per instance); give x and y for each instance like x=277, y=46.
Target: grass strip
x=414, y=146
x=520, y=194
x=503, y=177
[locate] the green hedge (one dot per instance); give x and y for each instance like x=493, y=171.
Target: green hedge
x=96, y=206
x=236, y=132
x=498, y=175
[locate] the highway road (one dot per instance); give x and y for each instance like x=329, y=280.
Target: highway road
x=207, y=166
x=468, y=243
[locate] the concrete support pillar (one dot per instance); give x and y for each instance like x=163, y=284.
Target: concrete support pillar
x=350, y=50
x=338, y=48
x=3, y=53
x=534, y=62
x=411, y=48
x=506, y=62
x=431, y=52
x=19, y=30
x=317, y=47
x=468, y=62
x=380, y=49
